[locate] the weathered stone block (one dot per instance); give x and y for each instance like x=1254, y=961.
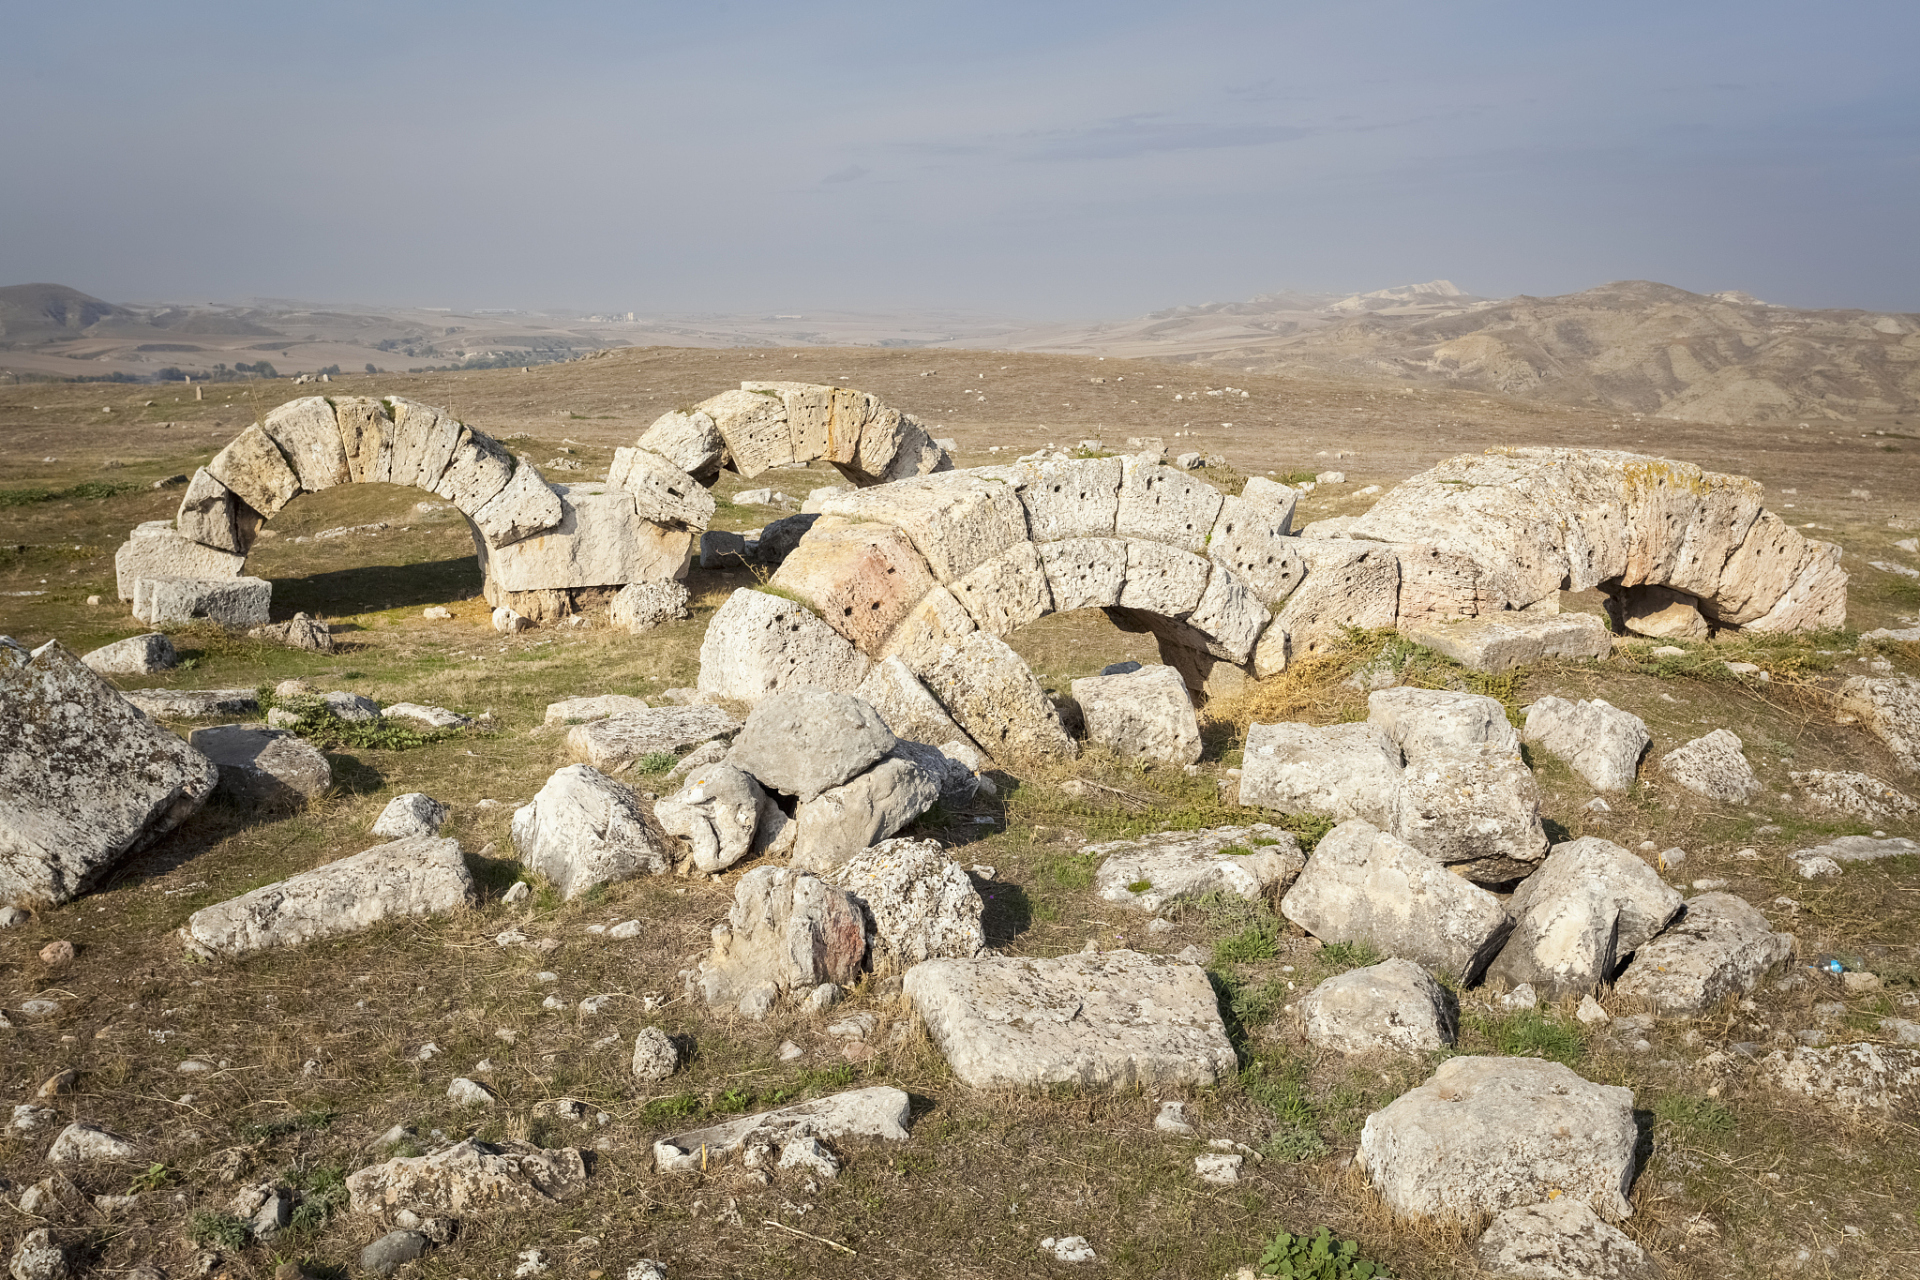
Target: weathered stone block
x=1392, y=1007
x=477, y=470
x=757, y=644
x=156, y=551
x=526, y=505
x=1364, y=885
x=366, y=437
x=1721, y=947
x=1346, y=584
x=1084, y=573
x=958, y=520
x=840, y=822
x=424, y=439
x=1250, y=537
x=600, y=541
x=1156, y=871
x=1008, y=591
x=1163, y=504
x=690, y=441
x=613, y=742
x=584, y=829
x=1144, y=713
x=1163, y=579
x=214, y=516
x=308, y=434
x=662, y=492
x=254, y=468
x=262, y=766
x=1340, y=771
x=1077, y=498
x=234, y=603
x=863, y=579
x=992, y=694
x=754, y=425
x=1229, y=618
x=937, y=621
x=1503, y=641
x=1109, y=1020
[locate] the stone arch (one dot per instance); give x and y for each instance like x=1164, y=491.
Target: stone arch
x=905, y=570
x=544, y=549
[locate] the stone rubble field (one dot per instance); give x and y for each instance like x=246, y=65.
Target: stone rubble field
x=1078, y=864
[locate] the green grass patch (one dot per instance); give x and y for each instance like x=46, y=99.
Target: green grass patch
x=1701, y=1117
x=221, y=1230
x=656, y=762
x=86, y=489
x=1338, y=957
x=1529, y=1033
x=1255, y=942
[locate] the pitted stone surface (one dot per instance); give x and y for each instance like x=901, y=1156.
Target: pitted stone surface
x=1560, y=1239
x=1109, y=1020
x=1163, y=504
x=1251, y=536
x=1858, y=794
x=1156, y=871
x=1075, y=498
x=958, y=520
x=1713, y=766
x=863, y=579
x=1084, y=573
x=921, y=904
x=1889, y=706
x=1853, y=1077
x=909, y=709
x=1008, y=591
x=1162, y=579
x=469, y=1178
x=788, y=931
x=1477, y=809
x=1487, y=1134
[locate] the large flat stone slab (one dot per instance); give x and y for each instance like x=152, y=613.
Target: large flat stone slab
x=1503, y=641
x=236, y=604
x=417, y=876
x=1339, y=771
x=85, y=777
x=1111, y=1020
x=155, y=551
x=1487, y=1134
x=192, y=704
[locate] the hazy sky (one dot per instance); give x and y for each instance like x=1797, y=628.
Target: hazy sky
x=1038, y=159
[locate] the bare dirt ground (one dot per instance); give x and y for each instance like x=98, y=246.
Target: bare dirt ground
x=317, y=1053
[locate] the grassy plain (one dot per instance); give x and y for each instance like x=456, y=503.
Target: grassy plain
x=318, y=1052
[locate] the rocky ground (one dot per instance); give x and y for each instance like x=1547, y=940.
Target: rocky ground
x=247, y=1086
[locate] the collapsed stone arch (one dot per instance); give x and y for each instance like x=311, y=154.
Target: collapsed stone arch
x=908, y=569
x=544, y=549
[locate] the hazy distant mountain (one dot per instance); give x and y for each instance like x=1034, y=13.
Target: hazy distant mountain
x=29, y=311
x=1633, y=346
x=1639, y=347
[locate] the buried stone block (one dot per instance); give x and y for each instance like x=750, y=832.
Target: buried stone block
x=1589, y=906
x=612, y=743
x=1503, y=641
x=1156, y=871
x=879, y=1113
x=1487, y=1134
x=135, y=656
x=1713, y=766
x=263, y=766
x=1395, y=1006
x=1342, y=771
x=1721, y=947
x=1106, y=1020
x=469, y=1178
x=1560, y=1239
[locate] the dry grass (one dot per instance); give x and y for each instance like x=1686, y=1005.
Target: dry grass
x=1734, y=1184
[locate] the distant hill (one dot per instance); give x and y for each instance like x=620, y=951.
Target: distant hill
x=29, y=311
x=1633, y=347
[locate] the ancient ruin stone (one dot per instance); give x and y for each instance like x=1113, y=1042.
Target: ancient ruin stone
x=879, y=1113
x=468, y=1178
x=1721, y=947
x=921, y=904
x=85, y=777
x=419, y=875
x=154, y=550
x=758, y=644
x=841, y=821
x=991, y=693
x=614, y=742
x=584, y=829
x=1601, y=743
x=802, y=741
x=1889, y=707
x=1340, y=771
x=1106, y=1020
x=1560, y=1239
x=1502, y=641
x=1589, y=906
x=1713, y=766
x=262, y=766
x=1156, y=871
x=1145, y=712
x=1487, y=1134
x=1395, y=1007
x=135, y=656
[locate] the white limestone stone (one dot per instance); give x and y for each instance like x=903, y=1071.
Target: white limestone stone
x=155, y=551
x=757, y=644
x=1393, y=1007
x=584, y=829
x=1339, y=771
x=1589, y=906
x=1154, y=872
x=1164, y=504
x=612, y=743
x=1145, y=713
x=1713, y=766
x=922, y=905
x=1601, y=743
x=1721, y=947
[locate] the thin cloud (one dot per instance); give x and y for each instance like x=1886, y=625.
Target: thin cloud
x=1143, y=135
x=852, y=173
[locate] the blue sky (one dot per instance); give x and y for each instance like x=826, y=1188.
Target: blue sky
x=1038, y=160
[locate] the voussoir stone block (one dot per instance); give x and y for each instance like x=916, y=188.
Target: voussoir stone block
x=862, y=578
x=1084, y=573
x=958, y=520
x=992, y=694
x=253, y=467
x=1107, y=1020
x=1364, y=885
x=754, y=425
x=477, y=470
x=415, y=876
x=1164, y=504
x=1346, y=584
x=1487, y=1134
x=214, y=516
x=366, y=436
x=526, y=505
x=662, y=492
x=909, y=709
x=600, y=541
x=1071, y=498
x=424, y=439
x=308, y=434
x=1008, y=591
x=690, y=441
x=929, y=627
x=1251, y=536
